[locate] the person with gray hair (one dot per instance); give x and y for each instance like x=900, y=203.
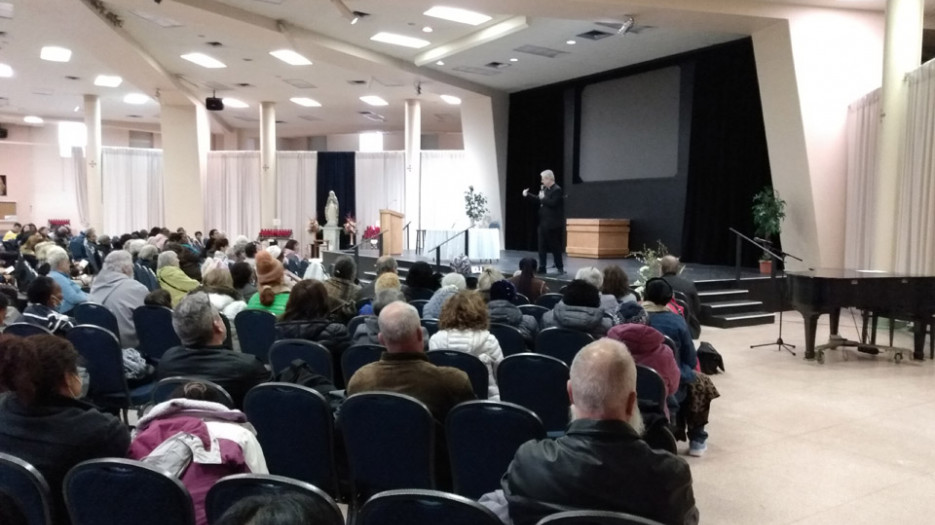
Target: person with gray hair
x=202, y=332
x=405, y=369
x=60, y=265
x=551, y=200
x=171, y=277
x=600, y=463
x=671, y=268
x=144, y=256
x=594, y=276
x=385, y=264
x=452, y=283
x=367, y=332
x=115, y=288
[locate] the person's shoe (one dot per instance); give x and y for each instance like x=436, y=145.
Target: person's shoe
x=697, y=449
x=541, y=270
x=561, y=271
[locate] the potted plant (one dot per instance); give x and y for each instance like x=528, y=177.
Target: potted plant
x=475, y=205
x=768, y=212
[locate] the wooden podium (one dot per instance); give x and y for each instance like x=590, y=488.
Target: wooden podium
x=392, y=223
x=598, y=238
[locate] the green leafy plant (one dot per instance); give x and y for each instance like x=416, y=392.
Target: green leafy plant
x=475, y=205
x=768, y=212
x=651, y=259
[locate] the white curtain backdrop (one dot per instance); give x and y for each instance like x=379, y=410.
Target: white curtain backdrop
x=132, y=189
x=380, y=184
x=232, y=193
x=298, y=174
x=80, y=170
x=863, y=124
x=445, y=178
x=915, y=244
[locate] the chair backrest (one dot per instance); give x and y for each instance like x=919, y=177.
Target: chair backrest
x=520, y=299
x=549, y=300
x=539, y=383
x=423, y=507
x=510, y=338
x=154, y=328
x=672, y=344
x=562, y=343
x=469, y=364
x=226, y=492
x=430, y=325
x=483, y=437
x=97, y=315
x=419, y=304
x=284, y=351
x=228, y=339
x=534, y=310
x=357, y=356
x=595, y=517
x=294, y=426
x=390, y=443
x=104, y=359
x=26, y=330
x=164, y=388
x=650, y=386
x=256, y=330
x=22, y=482
x=98, y=491
x=355, y=322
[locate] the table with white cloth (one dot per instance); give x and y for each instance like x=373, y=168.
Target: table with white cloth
x=483, y=243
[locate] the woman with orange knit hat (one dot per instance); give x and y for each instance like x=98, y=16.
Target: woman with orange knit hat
x=273, y=294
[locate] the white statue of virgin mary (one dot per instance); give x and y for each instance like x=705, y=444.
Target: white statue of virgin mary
x=331, y=210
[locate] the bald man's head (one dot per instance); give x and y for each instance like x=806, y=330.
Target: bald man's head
x=669, y=264
x=603, y=383
x=400, y=328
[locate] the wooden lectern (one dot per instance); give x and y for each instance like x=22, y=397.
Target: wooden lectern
x=391, y=222
x=598, y=238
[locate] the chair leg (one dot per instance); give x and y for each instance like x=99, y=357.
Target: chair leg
x=892, y=329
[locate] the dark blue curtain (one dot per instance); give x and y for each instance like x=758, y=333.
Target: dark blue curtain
x=336, y=173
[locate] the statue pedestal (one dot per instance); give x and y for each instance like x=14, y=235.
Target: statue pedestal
x=332, y=237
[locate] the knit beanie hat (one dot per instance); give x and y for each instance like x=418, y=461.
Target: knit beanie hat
x=502, y=290
x=268, y=270
x=630, y=312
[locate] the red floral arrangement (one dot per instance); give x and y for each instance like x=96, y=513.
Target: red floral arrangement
x=372, y=232
x=278, y=233
x=59, y=222
x=350, y=225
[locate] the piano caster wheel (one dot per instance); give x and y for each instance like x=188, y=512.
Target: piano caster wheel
x=820, y=357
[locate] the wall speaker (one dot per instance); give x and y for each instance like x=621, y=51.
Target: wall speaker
x=214, y=104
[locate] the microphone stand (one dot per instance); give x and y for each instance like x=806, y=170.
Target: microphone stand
x=780, y=257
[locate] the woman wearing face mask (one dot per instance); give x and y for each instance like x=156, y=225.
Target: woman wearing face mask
x=41, y=419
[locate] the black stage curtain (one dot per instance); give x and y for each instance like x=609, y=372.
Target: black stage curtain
x=336, y=172
x=729, y=162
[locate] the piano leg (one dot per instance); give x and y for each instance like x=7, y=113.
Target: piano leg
x=835, y=319
x=919, y=325
x=811, y=327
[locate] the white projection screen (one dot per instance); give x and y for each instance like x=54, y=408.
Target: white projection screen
x=630, y=127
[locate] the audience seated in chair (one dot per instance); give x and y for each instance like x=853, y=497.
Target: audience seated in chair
x=172, y=279
x=463, y=326
x=386, y=281
x=405, y=369
x=503, y=311
x=276, y=509
x=368, y=332
x=202, y=332
x=41, y=419
x=669, y=265
x=115, y=288
x=420, y=282
x=158, y=297
x=617, y=284
x=142, y=272
x=244, y=278
x=385, y=264
x=526, y=282
x=61, y=273
x=342, y=288
x=485, y=280
x=307, y=317
x=609, y=302
x=452, y=283
x=579, y=309
x=272, y=294
x=600, y=463
x=220, y=440
x=43, y=296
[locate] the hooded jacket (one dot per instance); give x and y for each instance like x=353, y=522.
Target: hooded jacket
x=173, y=280
x=120, y=294
x=582, y=318
x=505, y=312
x=648, y=348
x=479, y=343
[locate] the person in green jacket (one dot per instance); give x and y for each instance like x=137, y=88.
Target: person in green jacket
x=273, y=294
x=171, y=278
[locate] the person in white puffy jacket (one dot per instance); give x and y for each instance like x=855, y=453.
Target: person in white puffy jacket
x=463, y=327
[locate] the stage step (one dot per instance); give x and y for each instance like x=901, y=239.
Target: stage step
x=723, y=294
x=730, y=307
x=744, y=319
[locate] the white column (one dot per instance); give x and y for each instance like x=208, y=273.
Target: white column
x=413, y=132
x=92, y=121
x=186, y=139
x=902, y=52
x=268, y=212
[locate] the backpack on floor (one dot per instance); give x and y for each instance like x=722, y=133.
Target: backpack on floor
x=709, y=359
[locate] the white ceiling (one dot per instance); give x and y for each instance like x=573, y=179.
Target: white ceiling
x=147, y=55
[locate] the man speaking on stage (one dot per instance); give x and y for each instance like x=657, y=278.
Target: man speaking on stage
x=551, y=220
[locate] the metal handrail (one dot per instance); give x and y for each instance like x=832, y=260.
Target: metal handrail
x=438, y=248
x=768, y=250
x=356, y=248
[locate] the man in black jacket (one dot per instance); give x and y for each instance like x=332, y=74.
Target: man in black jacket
x=600, y=463
x=551, y=220
x=202, y=332
x=669, y=265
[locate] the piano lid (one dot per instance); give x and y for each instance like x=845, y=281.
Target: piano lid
x=844, y=273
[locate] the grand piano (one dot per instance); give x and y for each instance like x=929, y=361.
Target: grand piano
x=826, y=291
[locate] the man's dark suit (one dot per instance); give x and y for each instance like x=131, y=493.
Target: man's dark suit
x=551, y=225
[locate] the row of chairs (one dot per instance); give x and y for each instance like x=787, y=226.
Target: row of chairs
x=96, y=491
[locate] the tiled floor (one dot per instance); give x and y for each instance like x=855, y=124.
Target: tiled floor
x=791, y=441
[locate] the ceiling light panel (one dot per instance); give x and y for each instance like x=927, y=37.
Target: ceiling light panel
x=6, y=10
x=204, y=60
x=161, y=21
x=55, y=54
x=6, y=71
x=110, y=81
x=305, y=102
x=540, y=51
x=291, y=57
x=136, y=98
x=450, y=99
x=374, y=100
x=33, y=120
x=235, y=103
x=454, y=14
x=399, y=40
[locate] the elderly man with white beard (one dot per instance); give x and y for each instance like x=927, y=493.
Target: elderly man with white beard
x=600, y=463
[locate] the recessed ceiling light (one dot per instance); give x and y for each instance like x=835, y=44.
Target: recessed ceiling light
x=306, y=102
x=77, y=108
x=136, y=98
x=235, y=103
x=374, y=100
x=55, y=54
x=291, y=57
x=399, y=40
x=6, y=71
x=451, y=99
x=440, y=63
x=427, y=29
x=108, y=81
x=455, y=14
x=204, y=60
x=33, y=120
x=514, y=60
x=570, y=42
